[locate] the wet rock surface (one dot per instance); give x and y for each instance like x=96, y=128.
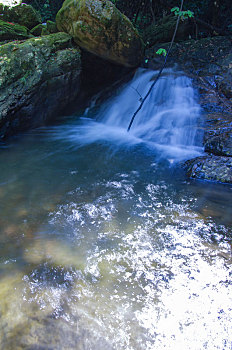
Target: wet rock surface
x=219, y=142
x=211, y=167
x=209, y=63
x=39, y=78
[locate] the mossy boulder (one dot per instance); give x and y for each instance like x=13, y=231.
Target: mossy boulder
x=22, y=14
x=11, y=31
x=44, y=29
x=100, y=28
x=39, y=78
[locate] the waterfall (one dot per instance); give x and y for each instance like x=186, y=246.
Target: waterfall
x=167, y=123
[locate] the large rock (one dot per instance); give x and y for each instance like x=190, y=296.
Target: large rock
x=100, y=28
x=38, y=79
x=22, y=14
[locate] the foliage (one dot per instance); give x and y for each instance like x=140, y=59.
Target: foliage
x=183, y=14
x=47, y=8
x=140, y=21
x=161, y=52
x=144, y=12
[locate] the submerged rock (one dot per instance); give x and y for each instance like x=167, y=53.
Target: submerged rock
x=22, y=14
x=100, y=28
x=38, y=78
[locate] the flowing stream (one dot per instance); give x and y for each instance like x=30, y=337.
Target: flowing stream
x=104, y=242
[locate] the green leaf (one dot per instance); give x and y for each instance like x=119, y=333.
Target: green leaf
x=182, y=14
x=174, y=9
x=190, y=14
x=161, y=52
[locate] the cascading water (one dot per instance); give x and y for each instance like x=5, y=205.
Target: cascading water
x=103, y=244
x=167, y=123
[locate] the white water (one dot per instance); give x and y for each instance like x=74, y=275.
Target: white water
x=167, y=123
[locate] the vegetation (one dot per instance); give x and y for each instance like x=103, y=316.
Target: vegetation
x=215, y=13
x=162, y=52
x=183, y=14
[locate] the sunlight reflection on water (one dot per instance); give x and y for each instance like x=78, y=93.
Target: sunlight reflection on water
x=144, y=280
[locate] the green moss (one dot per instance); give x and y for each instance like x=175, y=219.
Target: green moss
x=100, y=28
x=19, y=60
x=41, y=68
x=37, y=30
x=44, y=31
x=51, y=27
x=11, y=31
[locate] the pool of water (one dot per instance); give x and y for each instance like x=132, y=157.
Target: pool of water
x=104, y=246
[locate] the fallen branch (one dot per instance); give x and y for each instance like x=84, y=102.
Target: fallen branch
x=160, y=72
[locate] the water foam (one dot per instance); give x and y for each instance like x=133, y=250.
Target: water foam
x=168, y=122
